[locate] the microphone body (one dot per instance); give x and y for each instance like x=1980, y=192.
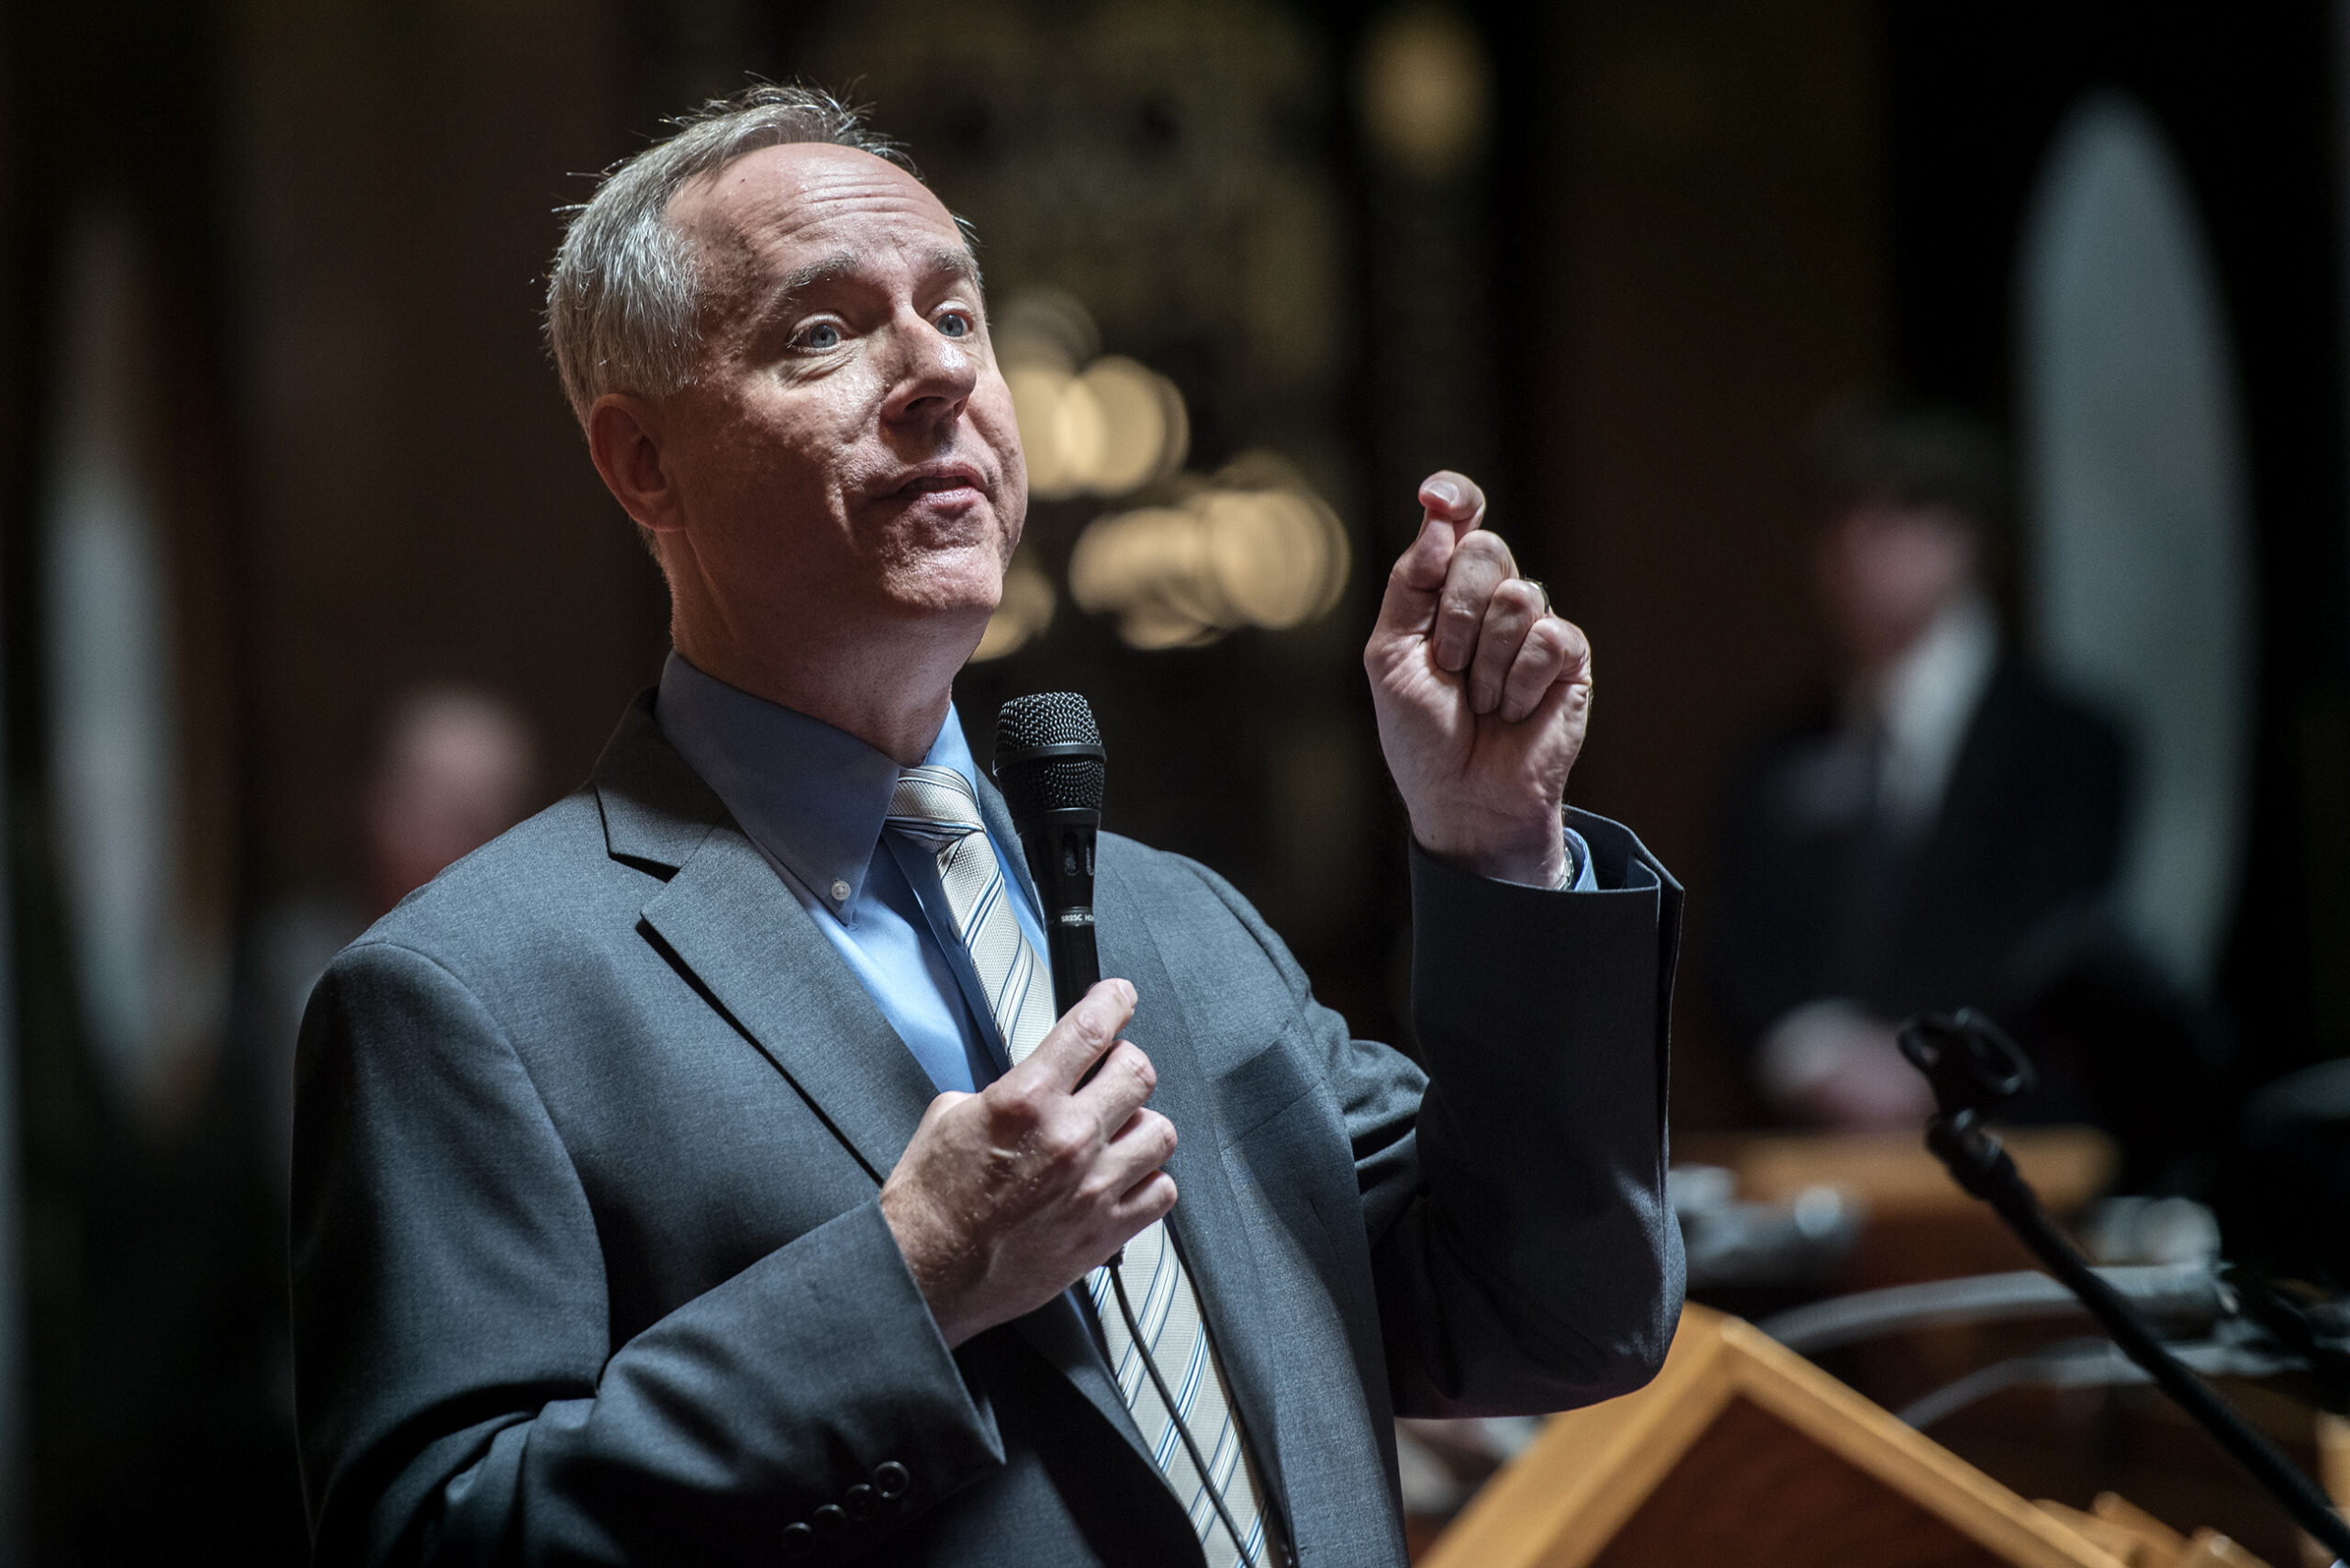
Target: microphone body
x=1050, y=766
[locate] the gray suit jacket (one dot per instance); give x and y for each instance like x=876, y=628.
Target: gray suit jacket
x=588, y=1265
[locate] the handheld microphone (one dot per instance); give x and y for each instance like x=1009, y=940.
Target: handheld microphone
x=1050, y=766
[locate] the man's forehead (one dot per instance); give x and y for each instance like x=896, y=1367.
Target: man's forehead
x=802, y=198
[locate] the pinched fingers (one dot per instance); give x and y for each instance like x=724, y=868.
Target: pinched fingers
x=1454, y=497
x=1453, y=507
x=1554, y=651
x=1513, y=613
x=1480, y=567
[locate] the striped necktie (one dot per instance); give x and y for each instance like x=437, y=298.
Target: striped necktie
x=936, y=807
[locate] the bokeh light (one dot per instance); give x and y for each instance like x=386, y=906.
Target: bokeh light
x=1253, y=546
x=1090, y=426
x=1427, y=90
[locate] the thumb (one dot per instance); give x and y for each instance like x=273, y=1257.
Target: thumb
x=1408, y=607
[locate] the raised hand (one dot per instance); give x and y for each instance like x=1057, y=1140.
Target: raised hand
x=1006, y=1198
x=1482, y=694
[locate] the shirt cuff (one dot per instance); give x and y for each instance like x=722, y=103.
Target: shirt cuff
x=1580, y=878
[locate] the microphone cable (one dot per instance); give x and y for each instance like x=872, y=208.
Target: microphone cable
x=1182, y=1428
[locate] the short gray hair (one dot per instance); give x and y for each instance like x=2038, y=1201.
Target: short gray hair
x=621, y=298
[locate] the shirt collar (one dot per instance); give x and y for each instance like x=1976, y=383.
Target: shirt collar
x=1928, y=694
x=810, y=796
x=1926, y=702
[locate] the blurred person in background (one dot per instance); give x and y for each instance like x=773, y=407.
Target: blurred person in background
x=183, y=1396
x=454, y=768
x=1912, y=842
x=450, y=767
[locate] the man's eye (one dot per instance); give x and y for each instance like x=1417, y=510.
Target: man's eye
x=955, y=324
x=819, y=336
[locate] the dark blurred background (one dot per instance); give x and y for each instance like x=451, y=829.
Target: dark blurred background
x=306, y=582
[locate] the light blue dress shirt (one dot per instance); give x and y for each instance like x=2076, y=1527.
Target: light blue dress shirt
x=812, y=799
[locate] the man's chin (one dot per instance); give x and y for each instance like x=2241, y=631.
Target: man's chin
x=950, y=598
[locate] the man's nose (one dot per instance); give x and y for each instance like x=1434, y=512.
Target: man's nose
x=934, y=373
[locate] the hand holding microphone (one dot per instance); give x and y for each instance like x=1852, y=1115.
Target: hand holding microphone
x=1006, y=1197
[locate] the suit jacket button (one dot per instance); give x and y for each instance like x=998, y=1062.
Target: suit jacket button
x=891, y=1480
x=798, y=1539
x=861, y=1501
x=829, y=1521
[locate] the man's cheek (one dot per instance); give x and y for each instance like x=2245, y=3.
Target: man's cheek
x=1012, y=502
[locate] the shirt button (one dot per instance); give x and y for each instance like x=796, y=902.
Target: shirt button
x=829, y=1521
x=797, y=1539
x=841, y=892
x=889, y=1479
x=861, y=1501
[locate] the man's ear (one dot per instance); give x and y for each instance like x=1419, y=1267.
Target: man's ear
x=624, y=438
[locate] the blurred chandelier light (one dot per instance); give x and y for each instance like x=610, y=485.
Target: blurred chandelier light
x=1090, y=426
x=1024, y=613
x=1254, y=546
x=1427, y=90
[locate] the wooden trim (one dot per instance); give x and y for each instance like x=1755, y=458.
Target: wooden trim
x=1587, y=1474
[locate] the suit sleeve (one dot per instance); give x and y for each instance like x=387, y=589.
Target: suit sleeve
x=1531, y=1261
x=459, y=1397
x=1521, y=1248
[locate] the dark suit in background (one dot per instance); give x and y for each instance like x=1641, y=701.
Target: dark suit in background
x=589, y=1263
x=1820, y=897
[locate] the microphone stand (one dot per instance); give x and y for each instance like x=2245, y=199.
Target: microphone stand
x=1973, y=1067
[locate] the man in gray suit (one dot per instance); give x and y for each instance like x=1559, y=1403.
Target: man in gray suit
x=691, y=1175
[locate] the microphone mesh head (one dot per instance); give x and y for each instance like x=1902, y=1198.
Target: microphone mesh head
x=1048, y=783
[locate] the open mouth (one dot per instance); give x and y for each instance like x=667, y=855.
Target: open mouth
x=942, y=481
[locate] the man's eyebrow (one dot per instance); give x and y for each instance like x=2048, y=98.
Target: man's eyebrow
x=802, y=278
x=958, y=259
x=954, y=259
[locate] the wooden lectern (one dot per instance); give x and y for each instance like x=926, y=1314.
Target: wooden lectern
x=1743, y=1452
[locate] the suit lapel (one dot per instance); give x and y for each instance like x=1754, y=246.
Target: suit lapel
x=753, y=952
x=730, y=920
x=759, y=958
